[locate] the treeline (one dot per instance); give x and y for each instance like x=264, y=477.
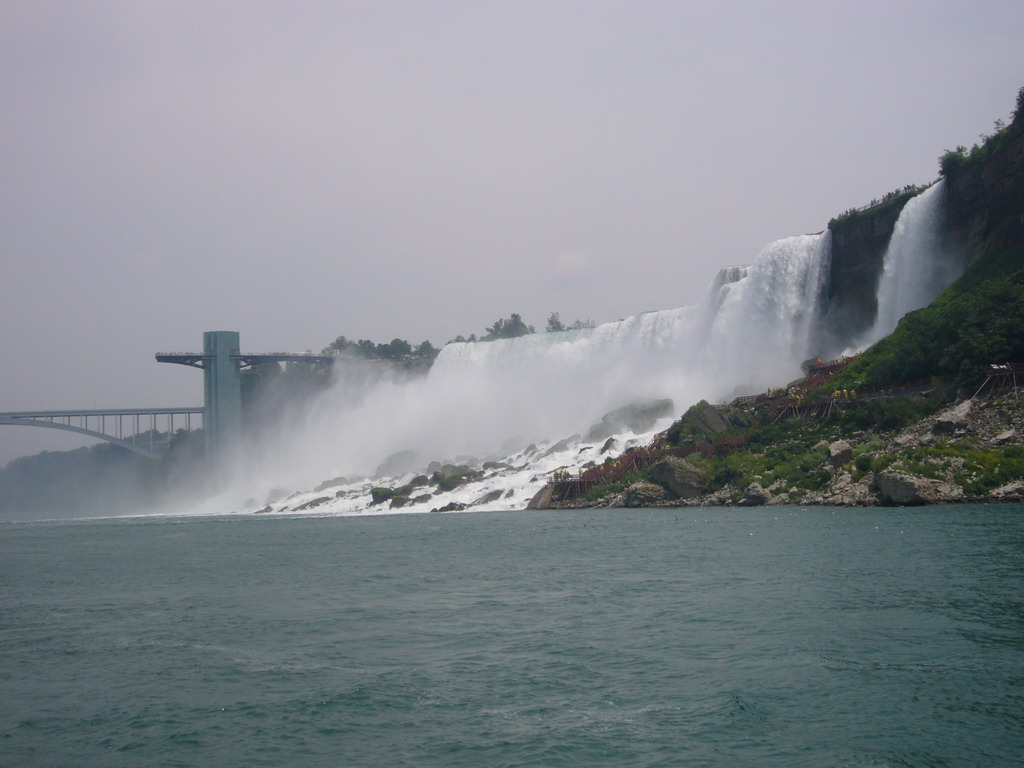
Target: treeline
x=955, y=159
x=396, y=349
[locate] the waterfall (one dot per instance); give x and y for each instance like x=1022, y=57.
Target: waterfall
x=917, y=266
x=489, y=399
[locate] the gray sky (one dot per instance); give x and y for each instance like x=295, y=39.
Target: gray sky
x=300, y=170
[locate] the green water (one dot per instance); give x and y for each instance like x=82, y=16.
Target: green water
x=714, y=637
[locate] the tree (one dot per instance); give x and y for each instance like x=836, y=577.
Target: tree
x=555, y=323
x=508, y=329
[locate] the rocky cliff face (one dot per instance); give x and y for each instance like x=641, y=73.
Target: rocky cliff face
x=985, y=199
x=859, y=242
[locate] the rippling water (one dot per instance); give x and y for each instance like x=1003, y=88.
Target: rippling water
x=713, y=637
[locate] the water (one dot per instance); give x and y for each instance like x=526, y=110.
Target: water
x=489, y=400
x=698, y=637
x=917, y=265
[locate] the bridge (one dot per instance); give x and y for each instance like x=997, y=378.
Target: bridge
x=220, y=415
x=122, y=427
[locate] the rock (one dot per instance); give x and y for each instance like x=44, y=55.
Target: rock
x=380, y=495
x=1010, y=492
x=312, y=503
x=330, y=484
x=644, y=494
x=499, y=465
x=609, y=445
x=679, y=477
x=903, y=489
x=451, y=506
x=754, y=496
x=1004, y=437
x=635, y=417
x=821, y=445
x=542, y=498
x=397, y=464
x=276, y=494
x=707, y=418
x=399, y=501
x=953, y=419
x=489, y=497
x=840, y=453
x=561, y=445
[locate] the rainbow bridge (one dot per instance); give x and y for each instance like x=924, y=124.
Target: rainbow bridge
x=137, y=429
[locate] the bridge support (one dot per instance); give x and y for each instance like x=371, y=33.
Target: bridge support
x=222, y=363
x=222, y=390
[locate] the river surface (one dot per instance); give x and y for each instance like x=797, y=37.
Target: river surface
x=693, y=637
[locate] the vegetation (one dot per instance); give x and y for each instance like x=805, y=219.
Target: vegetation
x=511, y=328
x=556, y=325
x=977, y=321
x=396, y=349
x=895, y=199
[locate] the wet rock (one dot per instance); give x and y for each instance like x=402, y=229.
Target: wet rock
x=903, y=489
x=679, y=477
x=452, y=506
x=489, y=497
x=635, y=417
x=334, y=481
x=542, y=498
x=380, y=495
x=609, y=445
x=1010, y=492
x=312, y=504
x=397, y=464
x=755, y=496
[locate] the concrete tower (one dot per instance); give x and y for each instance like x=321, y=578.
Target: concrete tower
x=222, y=389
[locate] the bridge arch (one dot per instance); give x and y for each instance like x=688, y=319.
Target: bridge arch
x=81, y=430
x=82, y=421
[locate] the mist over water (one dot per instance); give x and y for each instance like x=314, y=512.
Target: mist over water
x=486, y=400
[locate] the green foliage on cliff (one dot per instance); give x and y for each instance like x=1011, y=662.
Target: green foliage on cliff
x=894, y=200
x=977, y=321
x=954, y=160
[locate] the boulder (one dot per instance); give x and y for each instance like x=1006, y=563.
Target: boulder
x=312, y=504
x=380, y=495
x=1013, y=491
x=755, y=496
x=1004, y=437
x=643, y=494
x=679, y=477
x=397, y=464
x=635, y=417
x=489, y=497
x=953, y=419
x=542, y=498
x=904, y=489
x=330, y=483
x=840, y=453
x=707, y=418
x=609, y=445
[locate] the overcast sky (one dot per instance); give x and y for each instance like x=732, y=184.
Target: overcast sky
x=300, y=170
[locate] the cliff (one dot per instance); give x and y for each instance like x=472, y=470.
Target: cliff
x=984, y=213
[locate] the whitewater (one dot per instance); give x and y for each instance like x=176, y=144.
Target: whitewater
x=519, y=409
